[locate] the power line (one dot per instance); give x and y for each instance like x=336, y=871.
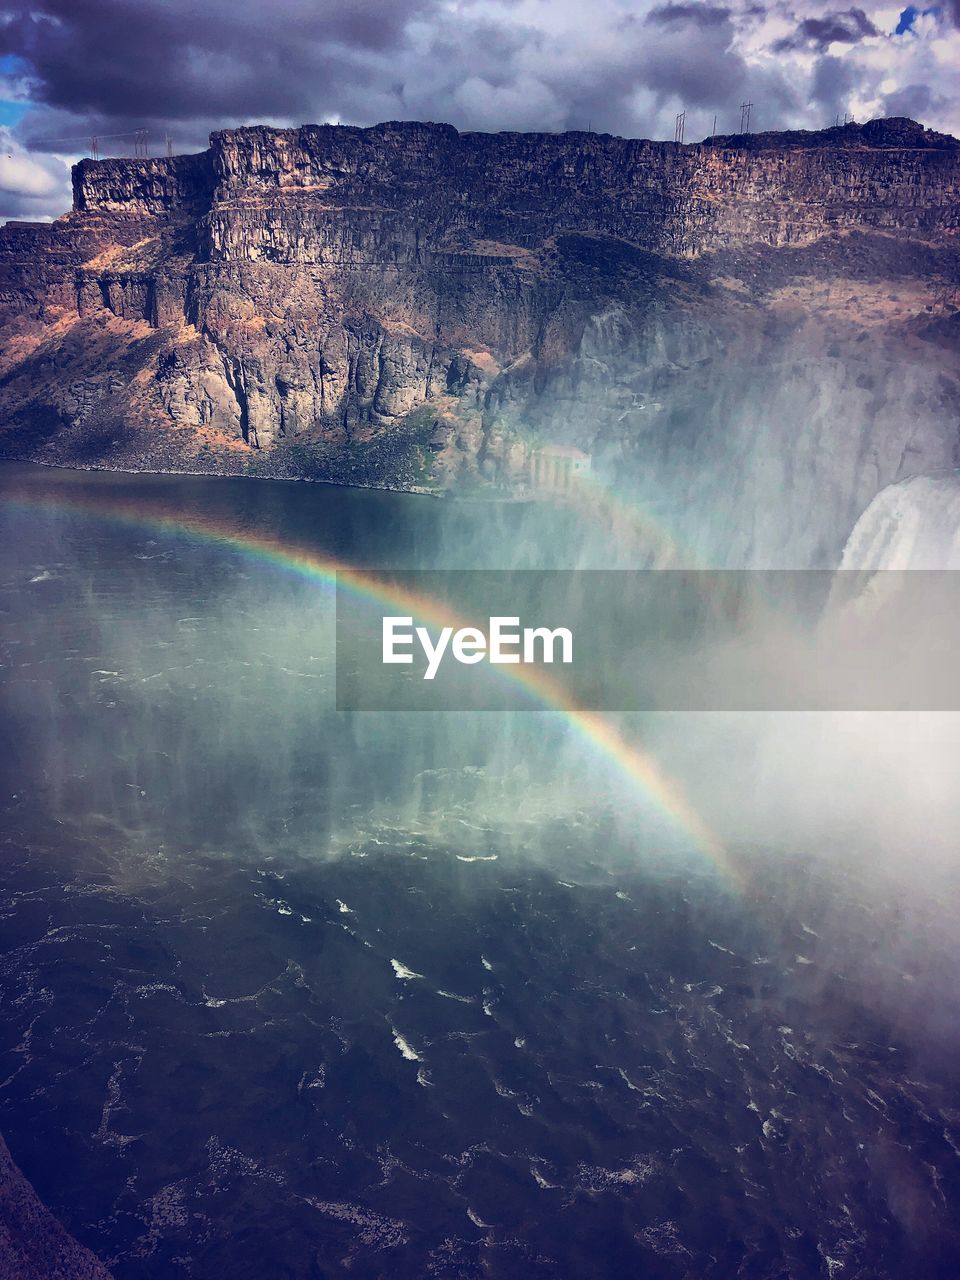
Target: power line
x=85, y=137
x=93, y=141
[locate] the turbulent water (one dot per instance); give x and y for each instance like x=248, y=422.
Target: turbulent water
x=293, y=993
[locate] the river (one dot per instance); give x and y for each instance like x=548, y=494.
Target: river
x=293, y=992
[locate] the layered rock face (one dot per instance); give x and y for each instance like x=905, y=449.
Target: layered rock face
x=408, y=305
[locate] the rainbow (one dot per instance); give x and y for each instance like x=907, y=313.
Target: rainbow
x=597, y=731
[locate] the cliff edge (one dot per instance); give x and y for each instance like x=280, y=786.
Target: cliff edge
x=412, y=306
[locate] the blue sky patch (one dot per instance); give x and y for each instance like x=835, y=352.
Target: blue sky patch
x=12, y=112
x=911, y=13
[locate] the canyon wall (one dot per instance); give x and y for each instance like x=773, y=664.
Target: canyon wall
x=522, y=189
x=412, y=306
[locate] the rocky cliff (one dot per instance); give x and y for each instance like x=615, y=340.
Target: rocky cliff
x=33, y=1244
x=409, y=305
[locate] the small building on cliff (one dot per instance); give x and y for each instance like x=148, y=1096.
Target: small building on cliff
x=557, y=468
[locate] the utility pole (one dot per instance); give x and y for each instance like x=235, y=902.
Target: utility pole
x=93, y=141
x=169, y=146
x=679, y=127
x=745, y=109
x=714, y=131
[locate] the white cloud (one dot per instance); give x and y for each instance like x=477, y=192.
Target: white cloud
x=32, y=187
x=20, y=174
x=617, y=66
x=877, y=75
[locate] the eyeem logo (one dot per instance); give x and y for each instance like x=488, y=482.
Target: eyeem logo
x=501, y=645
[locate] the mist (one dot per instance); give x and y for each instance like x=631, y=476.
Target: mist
x=443, y=951
x=173, y=692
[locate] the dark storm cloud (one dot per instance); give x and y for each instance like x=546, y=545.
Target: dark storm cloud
x=691, y=59
x=120, y=60
x=848, y=27
x=913, y=100
x=703, y=15
x=833, y=82
x=182, y=69
x=106, y=67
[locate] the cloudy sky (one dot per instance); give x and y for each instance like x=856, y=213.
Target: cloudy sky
x=72, y=68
